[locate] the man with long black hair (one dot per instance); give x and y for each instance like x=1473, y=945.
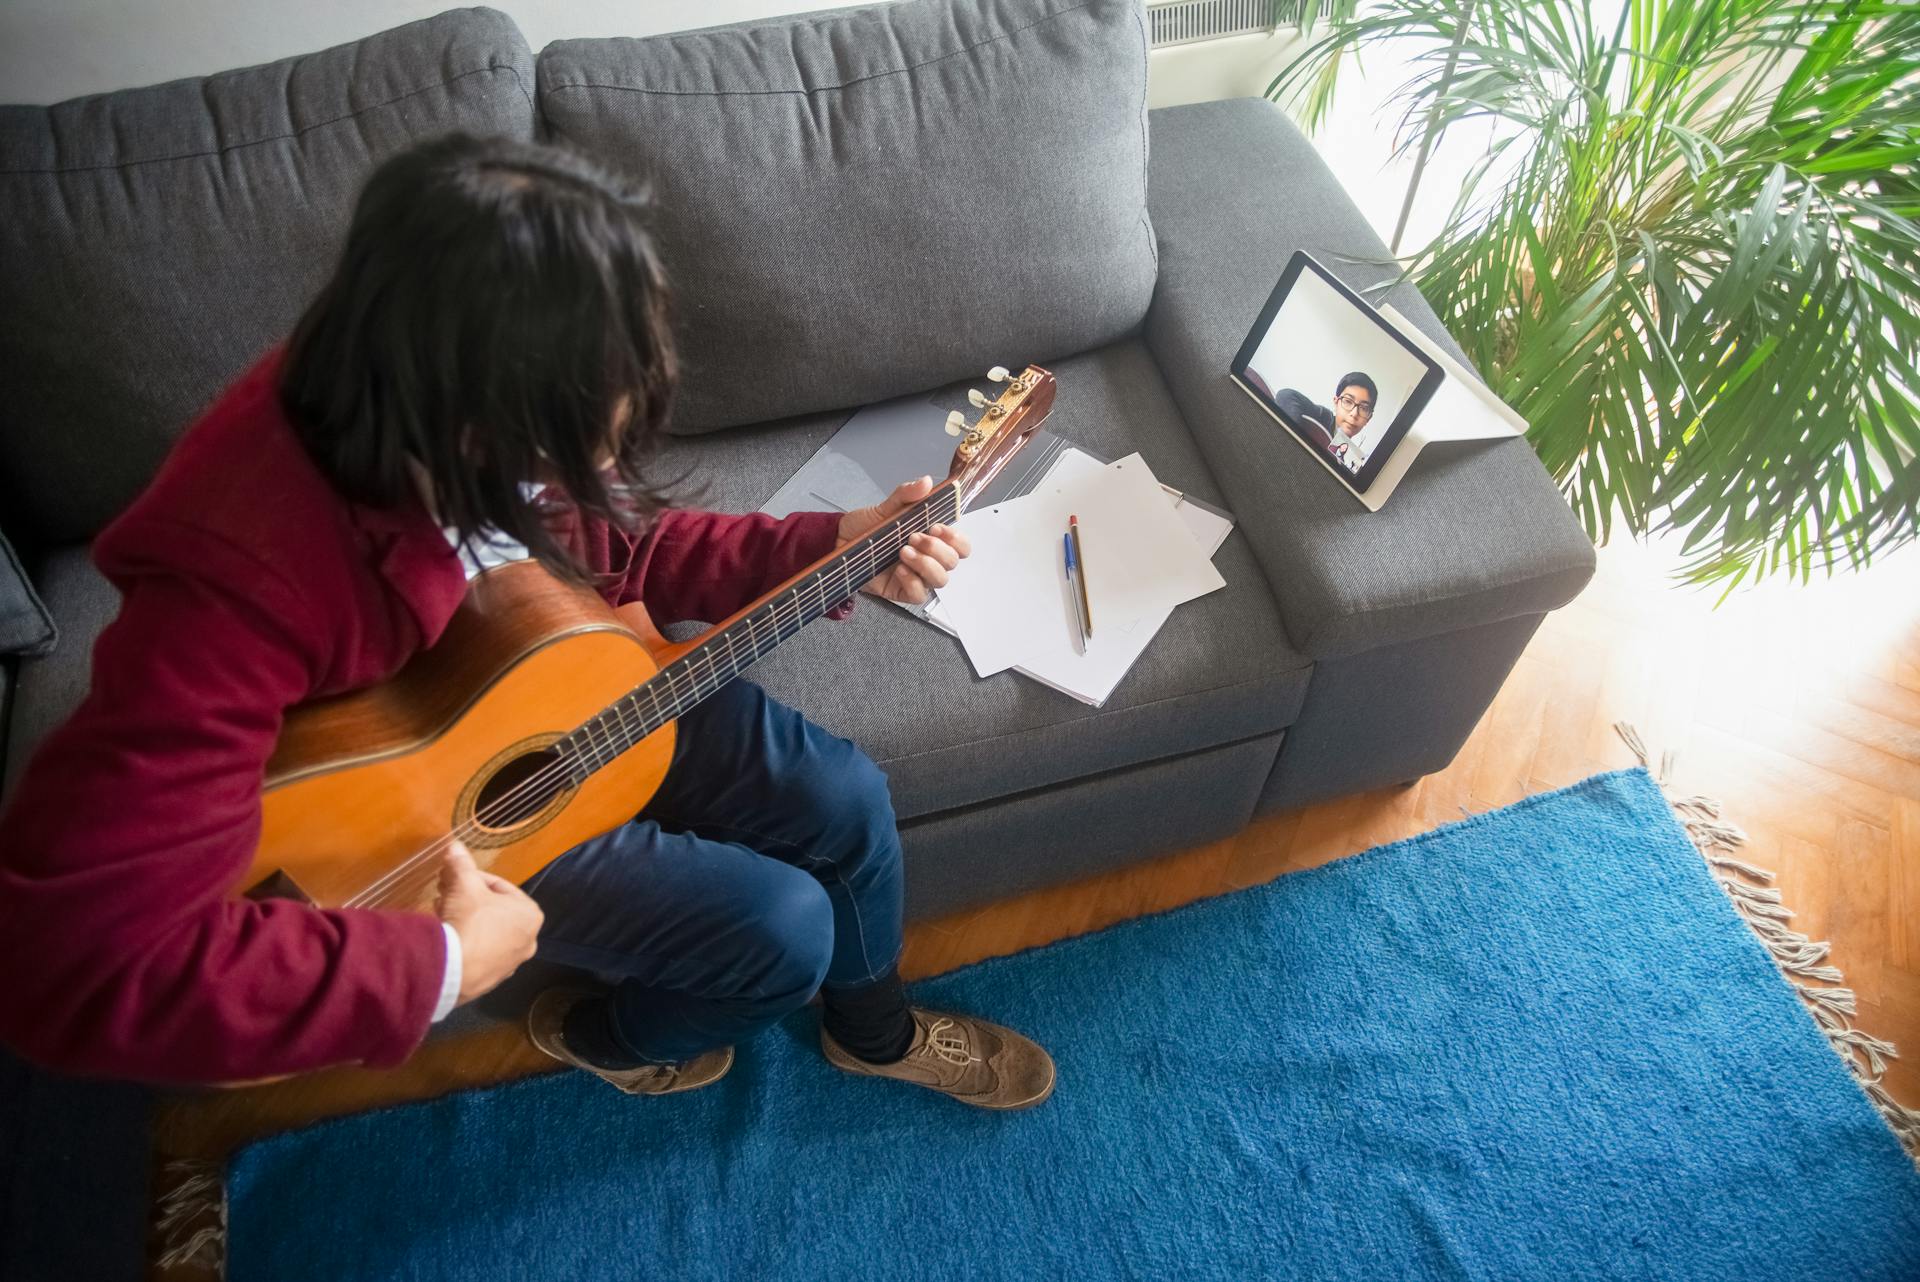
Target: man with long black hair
x=483, y=378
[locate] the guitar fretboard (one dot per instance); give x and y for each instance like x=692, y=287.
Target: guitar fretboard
x=695, y=675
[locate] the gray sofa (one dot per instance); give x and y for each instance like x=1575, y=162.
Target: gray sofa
x=854, y=205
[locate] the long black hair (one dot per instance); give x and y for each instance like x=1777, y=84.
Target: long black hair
x=499, y=316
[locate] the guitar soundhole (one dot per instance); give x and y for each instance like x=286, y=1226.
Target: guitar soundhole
x=519, y=790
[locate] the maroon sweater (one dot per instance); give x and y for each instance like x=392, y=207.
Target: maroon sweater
x=248, y=585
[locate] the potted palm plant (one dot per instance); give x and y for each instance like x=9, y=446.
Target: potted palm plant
x=1690, y=258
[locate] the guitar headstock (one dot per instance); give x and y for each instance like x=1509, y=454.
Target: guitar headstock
x=1003, y=427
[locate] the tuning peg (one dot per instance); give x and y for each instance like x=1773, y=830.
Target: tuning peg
x=956, y=423
x=976, y=398
x=998, y=374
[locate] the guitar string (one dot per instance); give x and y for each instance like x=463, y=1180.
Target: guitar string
x=782, y=617
x=781, y=620
x=906, y=524
x=394, y=884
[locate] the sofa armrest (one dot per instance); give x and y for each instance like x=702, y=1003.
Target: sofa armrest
x=1475, y=533
x=25, y=625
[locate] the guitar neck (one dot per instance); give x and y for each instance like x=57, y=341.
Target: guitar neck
x=730, y=648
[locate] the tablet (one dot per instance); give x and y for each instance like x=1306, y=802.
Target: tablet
x=1338, y=376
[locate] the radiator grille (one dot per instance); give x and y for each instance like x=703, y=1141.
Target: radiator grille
x=1185, y=21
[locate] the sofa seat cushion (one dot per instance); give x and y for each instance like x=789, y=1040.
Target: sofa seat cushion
x=862, y=202
x=25, y=625
x=153, y=242
x=1219, y=671
x=1477, y=532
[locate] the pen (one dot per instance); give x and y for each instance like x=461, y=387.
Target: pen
x=1073, y=584
x=1077, y=557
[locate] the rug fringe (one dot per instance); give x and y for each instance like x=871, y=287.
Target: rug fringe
x=190, y=1229
x=1751, y=891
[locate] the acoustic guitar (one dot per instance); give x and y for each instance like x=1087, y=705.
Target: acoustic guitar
x=543, y=717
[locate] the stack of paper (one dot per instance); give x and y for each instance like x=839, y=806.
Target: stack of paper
x=1012, y=605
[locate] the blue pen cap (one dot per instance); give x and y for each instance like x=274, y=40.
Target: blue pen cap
x=1066, y=541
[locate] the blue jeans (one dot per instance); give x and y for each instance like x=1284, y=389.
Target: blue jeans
x=767, y=864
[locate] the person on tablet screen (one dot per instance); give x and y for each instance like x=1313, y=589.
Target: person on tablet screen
x=1353, y=400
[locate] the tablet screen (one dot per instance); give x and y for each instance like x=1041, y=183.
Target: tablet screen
x=1334, y=372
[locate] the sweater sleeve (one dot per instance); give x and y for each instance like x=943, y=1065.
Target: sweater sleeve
x=706, y=565
x=125, y=950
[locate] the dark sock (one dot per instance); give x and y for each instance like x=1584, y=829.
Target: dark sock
x=590, y=1034
x=871, y=1022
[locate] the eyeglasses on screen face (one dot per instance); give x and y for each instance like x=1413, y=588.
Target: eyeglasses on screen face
x=1358, y=408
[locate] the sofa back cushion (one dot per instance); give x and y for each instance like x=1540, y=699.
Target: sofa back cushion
x=154, y=241
x=865, y=202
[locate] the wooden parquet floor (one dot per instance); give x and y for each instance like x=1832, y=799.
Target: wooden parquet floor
x=1798, y=707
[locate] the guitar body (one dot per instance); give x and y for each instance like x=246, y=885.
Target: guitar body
x=361, y=784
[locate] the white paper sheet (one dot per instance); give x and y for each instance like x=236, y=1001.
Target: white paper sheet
x=1209, y=529
x=1013, y=605
x=1070, y=464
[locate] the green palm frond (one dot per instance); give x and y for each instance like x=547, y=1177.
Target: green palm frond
x=1692, y=259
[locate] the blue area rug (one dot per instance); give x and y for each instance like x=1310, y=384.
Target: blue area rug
x=1536, y=1044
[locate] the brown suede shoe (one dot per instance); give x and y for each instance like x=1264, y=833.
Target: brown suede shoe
x=546, y=1028
x=977, y=1063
